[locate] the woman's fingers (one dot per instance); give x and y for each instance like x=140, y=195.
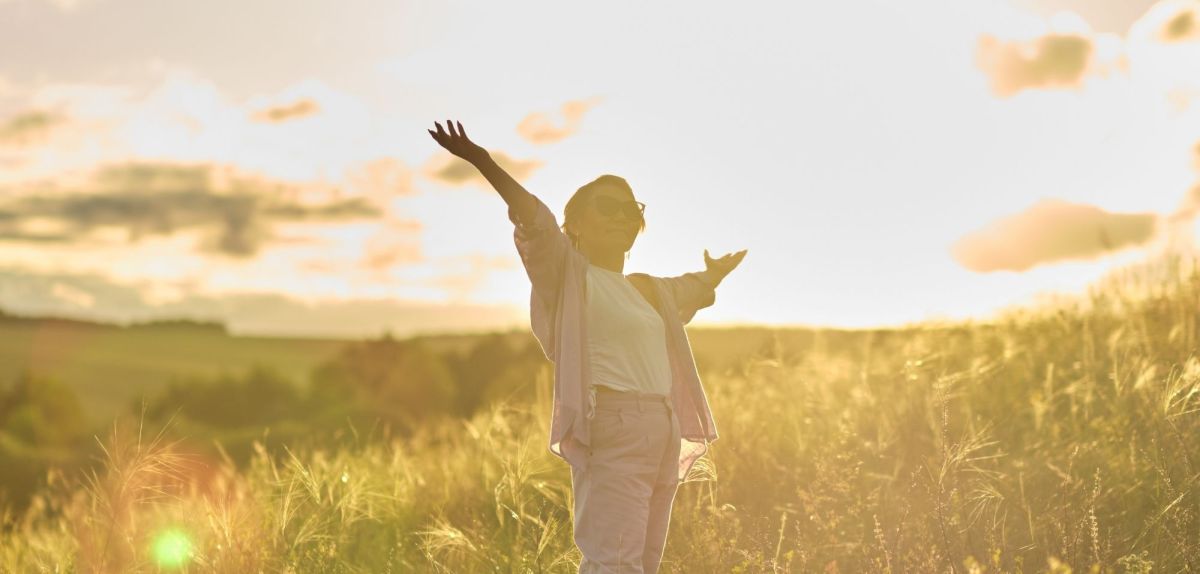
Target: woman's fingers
x=726, y=257
x=440, y=137
x=454, y=130
x=453, y=137
x=447, y=135
x=731, y=256
x=729, y=260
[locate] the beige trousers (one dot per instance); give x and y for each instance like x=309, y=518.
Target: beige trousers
x=623, y=495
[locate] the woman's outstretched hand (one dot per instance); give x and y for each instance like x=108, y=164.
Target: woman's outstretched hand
x=457, y=143
x=720, y=267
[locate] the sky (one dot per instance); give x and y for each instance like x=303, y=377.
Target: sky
x=266, y=164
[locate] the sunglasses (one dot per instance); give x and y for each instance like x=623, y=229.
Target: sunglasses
x=609, y=207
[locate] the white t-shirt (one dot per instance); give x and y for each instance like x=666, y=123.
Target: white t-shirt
x=627, y=339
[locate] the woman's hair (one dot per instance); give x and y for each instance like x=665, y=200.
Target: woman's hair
x=583, y=196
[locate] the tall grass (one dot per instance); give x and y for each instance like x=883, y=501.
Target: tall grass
x=1053, y=438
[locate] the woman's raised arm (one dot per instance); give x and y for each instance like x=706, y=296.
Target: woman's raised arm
x=519, y=200
x=540, y=242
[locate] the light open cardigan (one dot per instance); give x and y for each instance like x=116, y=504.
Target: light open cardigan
x=558, y=315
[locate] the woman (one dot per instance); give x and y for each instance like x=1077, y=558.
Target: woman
x=630, y=415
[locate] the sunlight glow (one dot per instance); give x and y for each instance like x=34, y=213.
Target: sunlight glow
x=172, y=548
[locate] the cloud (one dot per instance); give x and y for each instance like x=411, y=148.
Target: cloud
x=287, y=112
x=305, y=132
x=1159, y=53
x=538, y=128
x=396, y=245
x=156, y=198
x=1165, y=45
x=72, y=295
x=94, y=297
x=1052, y=61
x=450, y=170
x=462, y=276
x=1112, y=17
x=1051, y=231
x=1183, y=25
x=381, y=178
x=28, y=128
x=352, y=208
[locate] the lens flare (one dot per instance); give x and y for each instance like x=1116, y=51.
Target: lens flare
x=172, y=548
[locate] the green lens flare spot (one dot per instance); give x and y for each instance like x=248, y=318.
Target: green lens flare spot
x=172, y=549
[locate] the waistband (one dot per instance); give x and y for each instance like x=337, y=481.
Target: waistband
x=643, y=401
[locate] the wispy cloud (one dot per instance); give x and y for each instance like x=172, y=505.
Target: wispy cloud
x=462, y=277
x=396, y=245
x=72, y=295
x=28, y=128
x=91, y=296
x=381, y=178
x=305, y=132
x=540, y=128
x=287, y=112
x=1051, y=231
x=450, y=170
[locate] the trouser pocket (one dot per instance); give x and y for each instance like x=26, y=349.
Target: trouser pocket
x=630, y=437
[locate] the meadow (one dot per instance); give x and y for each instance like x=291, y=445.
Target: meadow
x=112, y=367
x=1054, y=438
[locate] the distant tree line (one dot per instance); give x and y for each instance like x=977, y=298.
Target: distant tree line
x=397, y=385
x=179, y=324
x=42, y=424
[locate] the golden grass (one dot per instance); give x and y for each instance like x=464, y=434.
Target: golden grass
x=1051, y=439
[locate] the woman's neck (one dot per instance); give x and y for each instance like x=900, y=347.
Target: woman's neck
x=607, y=260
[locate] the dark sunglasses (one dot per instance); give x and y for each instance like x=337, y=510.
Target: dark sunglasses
x=609, y=207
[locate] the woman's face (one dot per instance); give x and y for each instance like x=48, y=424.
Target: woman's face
x=611, y=221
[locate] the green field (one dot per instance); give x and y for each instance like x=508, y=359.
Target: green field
x=111, y=367
x=1054, y=439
